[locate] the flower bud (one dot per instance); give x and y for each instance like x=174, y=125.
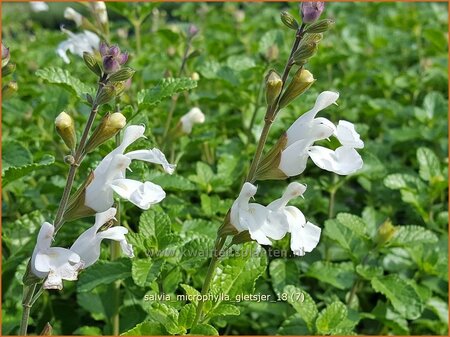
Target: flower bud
x=69, y=159
x=99, y=8
x=304, y=52
x=312, y=37
x=65, y=127
x=109, y=126
x=301, y=82
x=194, y=116
x=289, y=20
x=122, y=75
x=385, y=232
x=320, y=26
x=195, y=76
x=5, y=55
x=92, y=63
x=192, y=30
x=72, y=14
x=9, y=89
x=311, y=10
x=106, y=94
x=119, y=88
x=273, y=86
x=113, y=58
x=8, y=69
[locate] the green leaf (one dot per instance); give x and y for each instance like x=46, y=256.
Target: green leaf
x=186, y=316
x=167, y=316
x=196, y=252
x=145, y=271
x=339, y=275
x=204, y=330
x=303, y=304
x=146, y=329
x=15, y=173
x=165, y=88
x=399, y=181
x=439, y=307
x=224, y=309
x=369, y=272
x=403, y=297
x=334, y=320
x=429, y=166
x=191, y=292
x=354, y=223
x=156, y=228
x=294, y=326
x=173, y=182
x=411, y=236
x=15, y=154
x=104, y=272
x=63, y=78
x=282, y=273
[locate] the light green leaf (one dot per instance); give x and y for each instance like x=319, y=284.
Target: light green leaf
x=146, y=329
x=354, y=223
x=165, y=88
x=104, y=272
x=14, y=154
x=145, y=271
x=307, y=308
x=196, y=252
x=429, y=166
x=403, y=297
x=282, y=273
x=294, y=326
x=63, y=78
x=369, y=272
x=224, y=309
x=14, y=173
x=191, y=292
x=411, y=236
x=339, y=275
x=167, y=316
x=173, y=182
x=186, y=316
x=334, y=320
x=156, y=227
x=439, y=307
x=204, y=330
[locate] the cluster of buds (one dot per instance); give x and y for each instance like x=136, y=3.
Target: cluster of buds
x=8, y=68
x=112, y=58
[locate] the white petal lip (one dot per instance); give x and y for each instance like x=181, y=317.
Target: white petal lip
x=194, y=116
x=77, y=44
x=300, y=129
x=347, y=135
x=294, y=157
x=142, y=195
x=154, y=156
x=343, y=161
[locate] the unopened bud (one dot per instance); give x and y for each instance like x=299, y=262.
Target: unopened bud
x=320, y=26
x=69, y=159
x=301, y=82
x=192, y=30
x=8, y=69
x=119, y=88
x=195, y=76
x=311, y=10
x=109, y=126
x=92, y=64
x=106, y=94
x=289, y=20
x=72, y=14
x=9, y=89
x=273, y=87
x=312, y=37
x=65, y=127
x=304, y=52
x=99, y=8
x=47, y=330
x=5, y=55
x=122, y=75
x=385, y=232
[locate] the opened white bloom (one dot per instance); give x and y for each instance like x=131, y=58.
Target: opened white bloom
x=194, y=116
x=304, y=235
x=100, y=9
x=109, y=176
x=72, y=14
x=78, y=44
x=54, y=263
x=39, y=6
x=254, y=218
x=87, y=246
x=308, y=129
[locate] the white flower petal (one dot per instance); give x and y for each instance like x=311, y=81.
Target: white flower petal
x=194, y=116
x=130, y=135
x=294, y=158
x=344, y=160
x=154, y=156
x=304, y=237
x=142, y=195
x=118, y=234
x=347, y=135
x=71, y=14
x=38, y=6
x=302, y=128
x=78, y=44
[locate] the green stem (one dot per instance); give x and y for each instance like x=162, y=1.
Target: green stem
x=137, y=33
x=28, y=293
x=209, y=275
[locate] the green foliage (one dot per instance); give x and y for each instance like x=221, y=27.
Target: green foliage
x=388, y=61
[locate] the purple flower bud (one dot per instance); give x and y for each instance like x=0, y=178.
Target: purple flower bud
x=311, y=10
x=192, y=30
x=114, y=51
x=103, y=49
x=123, y=58
x=5, y=52
x=110, y=64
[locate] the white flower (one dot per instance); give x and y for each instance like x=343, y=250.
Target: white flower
x=77, y=44
x=72, y=14
x=100, y=9
x=54, y=263
x=194, y=116
x=87, y=246
x=39, y=6
x=109, y=176
x=308, y=129
x=254, y=218
x=304, y=235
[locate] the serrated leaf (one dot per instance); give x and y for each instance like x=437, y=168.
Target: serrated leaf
x=307, y=308
x=146, y=329
x=412, y=236
x=156, y=227
x=354, y=223
x=14, y=154
x=64, y=79
x=15, y=173
x=398, y=181
x=403, y=297
x=203, y=330
x=339, y=275
x=173, y=182
x=369, y=272
x=191, y=292
x=294, y=326
x=145, y=271
x=186, y=316
x=282, y=273
x=195, y=252
x=333, y=320
x=104, y=272
x=167, y=316
x=224, y=309
x=165, y=88
x=429, y=166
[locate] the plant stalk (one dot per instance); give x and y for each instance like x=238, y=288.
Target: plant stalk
x=26, y=303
